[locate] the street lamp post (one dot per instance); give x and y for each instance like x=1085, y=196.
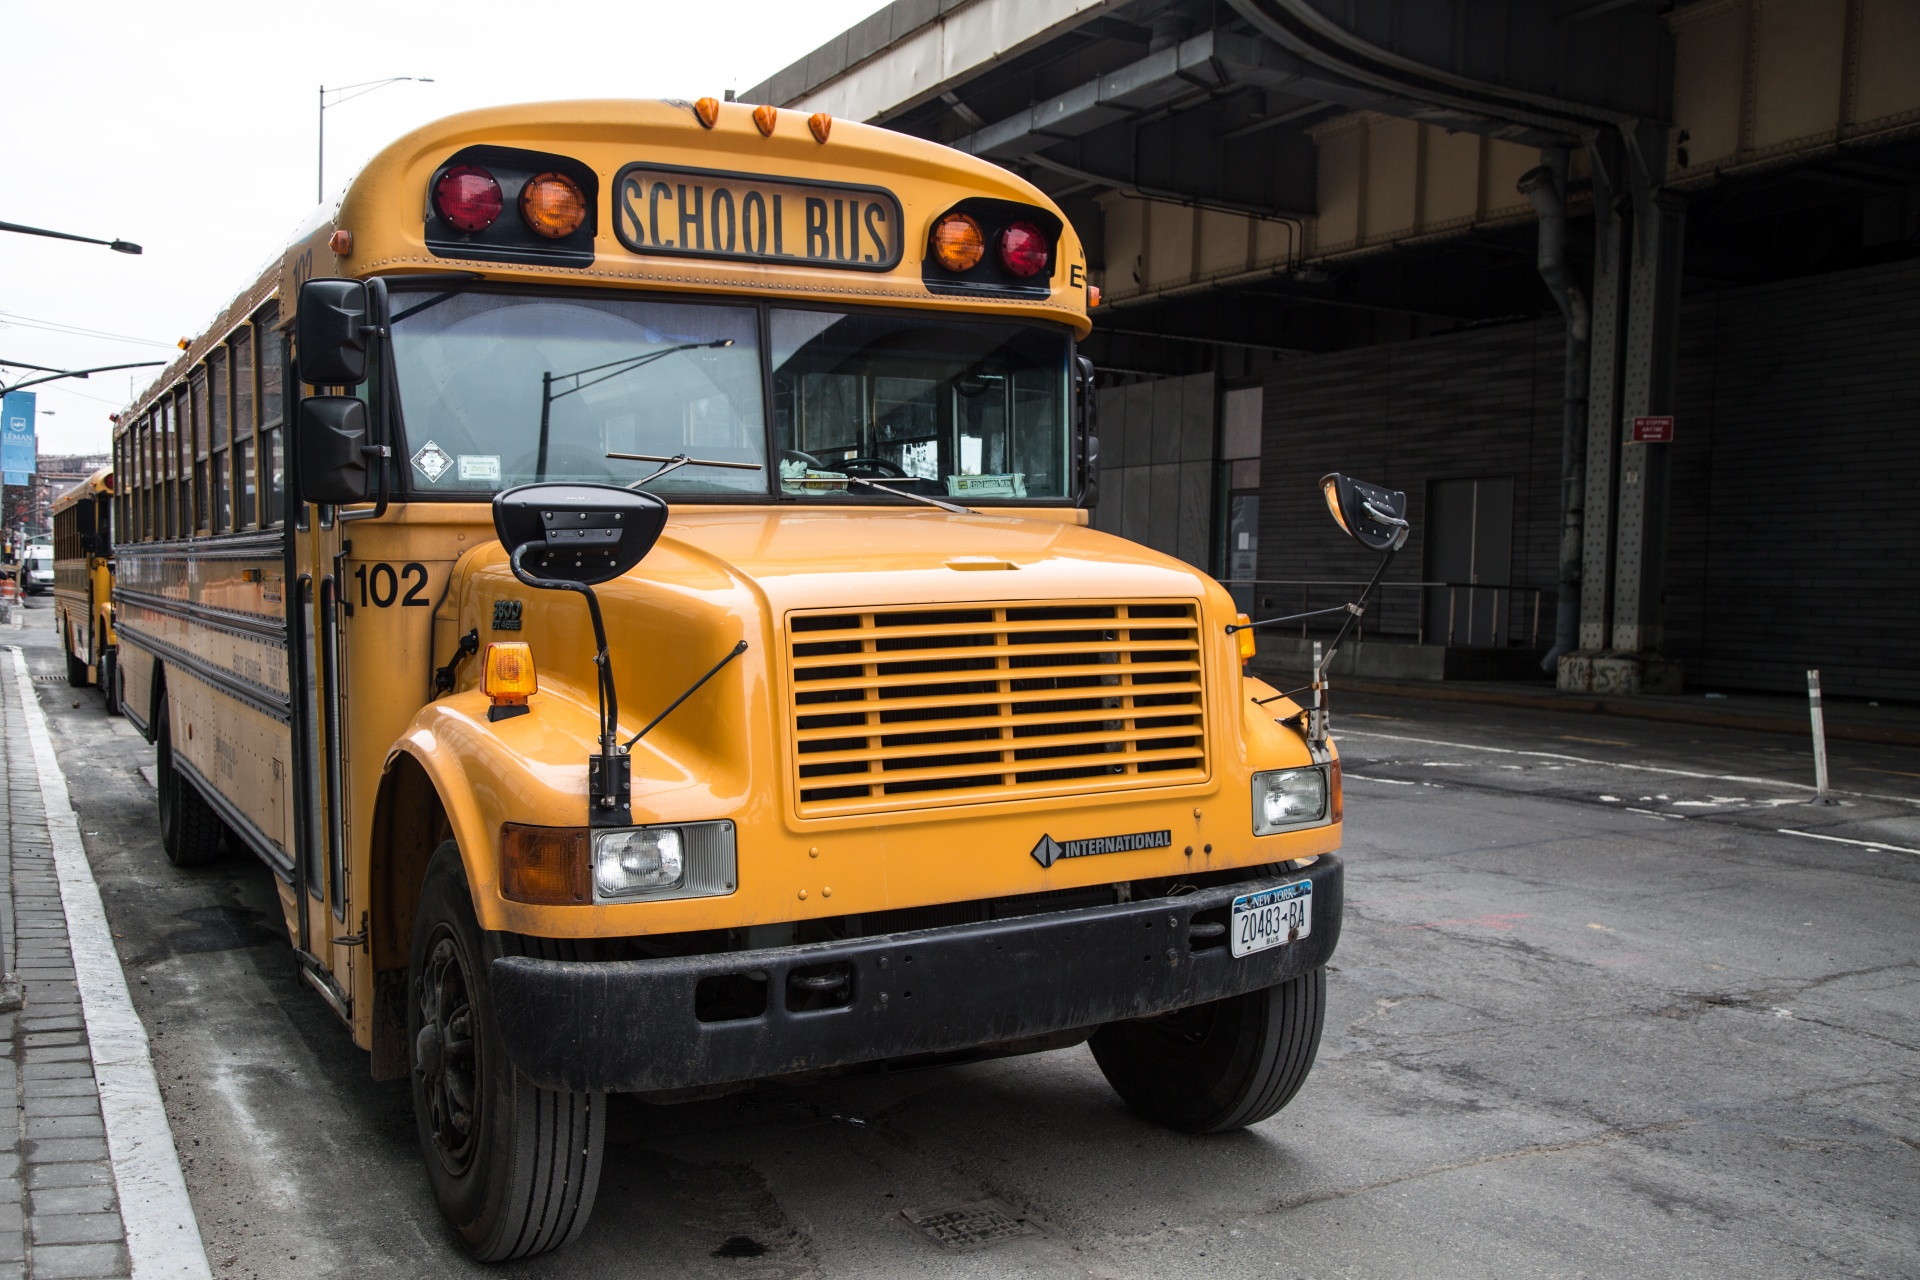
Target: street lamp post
x=347, y=93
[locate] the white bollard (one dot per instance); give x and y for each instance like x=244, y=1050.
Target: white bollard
x=1819, y=738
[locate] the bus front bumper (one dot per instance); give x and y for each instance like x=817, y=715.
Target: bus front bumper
x=635, y=1025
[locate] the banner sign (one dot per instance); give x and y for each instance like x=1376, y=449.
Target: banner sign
x=15, y=477
x=750, y=217
x=18, y=453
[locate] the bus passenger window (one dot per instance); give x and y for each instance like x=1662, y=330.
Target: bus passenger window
x=245, y=492
x=272, y=350
x=201, y=511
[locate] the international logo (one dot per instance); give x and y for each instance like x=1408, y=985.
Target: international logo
x=1050, y=851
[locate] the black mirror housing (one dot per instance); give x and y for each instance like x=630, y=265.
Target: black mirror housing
x=331, y=446
x=577, y=533
x=330, y=332
x=1374, y=517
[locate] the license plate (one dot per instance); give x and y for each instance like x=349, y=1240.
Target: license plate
x=1271, y=918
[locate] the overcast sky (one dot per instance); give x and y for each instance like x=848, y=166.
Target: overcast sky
x=189, y=129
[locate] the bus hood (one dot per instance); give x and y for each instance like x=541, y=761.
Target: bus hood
x=833, y=559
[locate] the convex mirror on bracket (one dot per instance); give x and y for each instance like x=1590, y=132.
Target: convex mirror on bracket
x=1374, y=517
x=330, y=332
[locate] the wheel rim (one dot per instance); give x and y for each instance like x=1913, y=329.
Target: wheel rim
x=446, y=1053
x=1178, y=1035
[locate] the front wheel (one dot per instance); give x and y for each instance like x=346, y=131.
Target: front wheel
x=514, y=1167
x=76, y=667
x=1217, y=1066
x=190, y=830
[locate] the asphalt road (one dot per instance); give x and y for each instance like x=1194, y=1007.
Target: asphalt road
x=1593, y=1014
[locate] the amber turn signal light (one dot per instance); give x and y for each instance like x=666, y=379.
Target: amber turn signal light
x=708, y=111
x=958, y=242
x=764, y=116
x=544, y=865
x=1243, y=638
x=552, y=205
x=821, y=125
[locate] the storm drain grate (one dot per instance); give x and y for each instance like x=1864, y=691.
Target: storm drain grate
x=969, y=1226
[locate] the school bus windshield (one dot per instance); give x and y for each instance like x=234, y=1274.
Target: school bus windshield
x=499, y=389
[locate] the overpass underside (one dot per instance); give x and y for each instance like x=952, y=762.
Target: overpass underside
x=1460, y=247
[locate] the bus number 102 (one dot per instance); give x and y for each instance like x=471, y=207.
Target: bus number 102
x=380, y=585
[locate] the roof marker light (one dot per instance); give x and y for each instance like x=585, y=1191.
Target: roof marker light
x=341, y=242
x=764, y=116
x=1024, y=250
x=552, y=205
x=822, y=124
x=707, y=110
x=467, y=198
x=958, y=244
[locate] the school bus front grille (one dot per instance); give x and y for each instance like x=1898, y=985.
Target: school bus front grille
x=904, y=708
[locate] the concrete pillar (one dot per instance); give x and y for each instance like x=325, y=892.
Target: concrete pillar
x=1635, y=352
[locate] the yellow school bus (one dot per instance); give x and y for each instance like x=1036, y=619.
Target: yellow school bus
x=626, y=570
x=83, y=581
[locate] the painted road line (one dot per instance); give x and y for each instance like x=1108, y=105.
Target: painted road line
x=1616, y=764
x=1864, y=844
x=163, y=1237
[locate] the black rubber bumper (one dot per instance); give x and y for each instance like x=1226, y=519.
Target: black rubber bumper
x=633, y=1025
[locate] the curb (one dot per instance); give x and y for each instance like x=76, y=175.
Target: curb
x=1622, y=708
x=163, y=1236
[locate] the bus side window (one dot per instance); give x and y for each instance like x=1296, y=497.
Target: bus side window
x=245, y=490
x=272, y=465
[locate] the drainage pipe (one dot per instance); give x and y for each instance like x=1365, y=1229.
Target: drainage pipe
x=1546, y=188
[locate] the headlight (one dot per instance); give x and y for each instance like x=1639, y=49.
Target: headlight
x=634, y=861
x=687, y=860
x=1287, y=798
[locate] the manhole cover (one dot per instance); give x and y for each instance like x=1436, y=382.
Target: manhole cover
x=968, y=1226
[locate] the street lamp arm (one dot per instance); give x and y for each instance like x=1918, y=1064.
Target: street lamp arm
x=118, y=246
x=81, y=373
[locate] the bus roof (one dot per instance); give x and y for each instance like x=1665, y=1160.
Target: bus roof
x=99, y=482
x=667, y=144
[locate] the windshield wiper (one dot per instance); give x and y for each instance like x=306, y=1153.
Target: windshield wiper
x=954, y=507
x=620, y=367
x=677, y=461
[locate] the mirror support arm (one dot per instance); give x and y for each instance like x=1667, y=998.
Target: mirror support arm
x=389, y=386
x=609, y=785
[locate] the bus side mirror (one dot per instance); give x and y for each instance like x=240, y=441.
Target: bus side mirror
x=576, y=533
x=1374, y=517
x=1086, y=428
x=330, y=443
x=330, y=332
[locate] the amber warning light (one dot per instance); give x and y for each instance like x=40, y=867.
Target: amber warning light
x=509, y=678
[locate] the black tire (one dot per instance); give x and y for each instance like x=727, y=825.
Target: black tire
x=514, y=1167
x=76, y=668
x=110, y=681
x=1218, y=1066
x=190, y=831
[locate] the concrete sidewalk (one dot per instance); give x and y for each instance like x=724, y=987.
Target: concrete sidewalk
x=90, y=1184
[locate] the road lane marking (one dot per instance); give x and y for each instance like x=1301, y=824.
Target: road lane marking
x=163, y=1236
x=1615, y=764
x=1881, y=845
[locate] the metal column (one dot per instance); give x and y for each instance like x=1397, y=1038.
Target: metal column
x=1603, y=399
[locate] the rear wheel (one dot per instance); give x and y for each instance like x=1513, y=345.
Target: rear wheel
x=76, y=667
x=1217, y=1066
x=514, y=1167
x=190, y=830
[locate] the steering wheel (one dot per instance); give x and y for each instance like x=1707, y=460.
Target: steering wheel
x=872, y=469
x=808, y=460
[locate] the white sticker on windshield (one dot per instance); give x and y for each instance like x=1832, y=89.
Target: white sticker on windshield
x=480, y=466
x=431, y=461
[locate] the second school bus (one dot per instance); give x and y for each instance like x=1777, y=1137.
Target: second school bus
x=787, y=412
